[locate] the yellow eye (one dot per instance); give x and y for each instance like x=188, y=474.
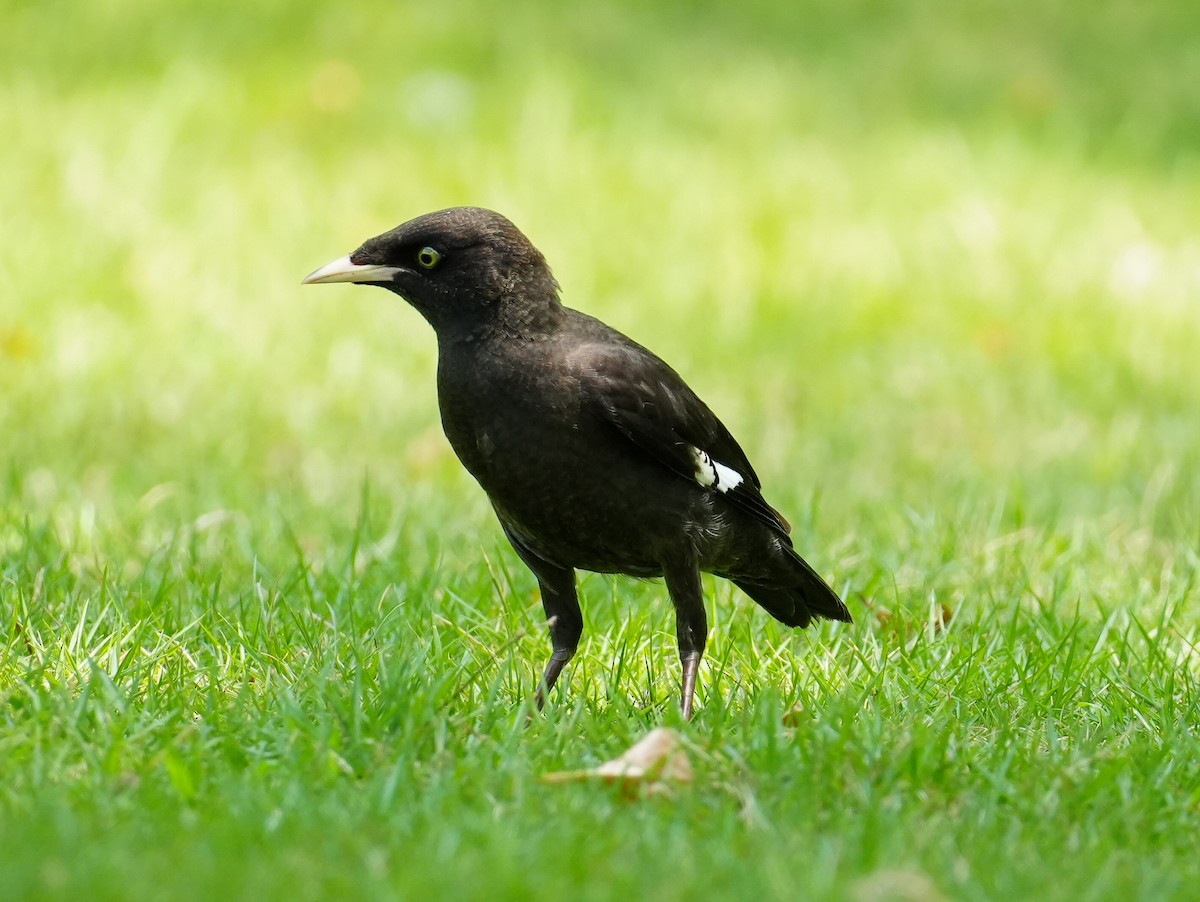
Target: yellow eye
x=428, y=257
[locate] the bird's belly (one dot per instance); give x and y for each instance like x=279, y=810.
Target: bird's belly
x=581, y=501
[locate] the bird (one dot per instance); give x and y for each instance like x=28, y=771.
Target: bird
x=594, y=453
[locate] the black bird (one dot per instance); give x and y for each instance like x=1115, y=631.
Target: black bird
x=594, y=453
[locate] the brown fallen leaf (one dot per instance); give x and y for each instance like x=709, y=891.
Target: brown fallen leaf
x=796, y=715
x=650, y=765
x=882, y=615
x=940, y=617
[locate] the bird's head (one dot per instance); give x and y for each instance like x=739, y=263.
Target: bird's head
x=466, y=270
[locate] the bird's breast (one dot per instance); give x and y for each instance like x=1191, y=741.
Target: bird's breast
x=502, y=416
x=572, y=483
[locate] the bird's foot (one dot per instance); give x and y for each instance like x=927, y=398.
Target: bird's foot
x=691, y=666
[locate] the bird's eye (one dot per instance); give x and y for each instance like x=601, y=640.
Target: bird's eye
x=428, y=257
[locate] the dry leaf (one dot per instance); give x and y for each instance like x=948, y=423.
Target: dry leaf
x=940, y=617
x=796, y=715
x=882, y=615
x=650, y=765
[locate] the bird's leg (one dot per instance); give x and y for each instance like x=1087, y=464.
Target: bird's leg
x=691, y=623
x=566, y=626
x=561, y=604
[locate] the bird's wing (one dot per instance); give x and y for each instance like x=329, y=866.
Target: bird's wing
x=648, y=402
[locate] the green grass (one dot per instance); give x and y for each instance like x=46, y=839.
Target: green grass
x=937, y=268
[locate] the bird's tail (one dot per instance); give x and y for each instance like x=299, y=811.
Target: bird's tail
x=796, y=596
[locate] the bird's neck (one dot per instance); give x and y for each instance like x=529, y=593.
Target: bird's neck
x=533, y=317
x=521, y=314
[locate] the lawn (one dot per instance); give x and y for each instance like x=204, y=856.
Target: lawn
x=937, y=267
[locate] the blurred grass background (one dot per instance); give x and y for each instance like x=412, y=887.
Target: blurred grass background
x=937, y=266
x=897, y=245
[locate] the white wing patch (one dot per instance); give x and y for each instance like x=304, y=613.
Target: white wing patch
x=711, y=473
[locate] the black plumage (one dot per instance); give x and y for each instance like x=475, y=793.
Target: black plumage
x=595, y=454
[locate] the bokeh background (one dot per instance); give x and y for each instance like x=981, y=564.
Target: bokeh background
x=900, y=247
x=936, y=265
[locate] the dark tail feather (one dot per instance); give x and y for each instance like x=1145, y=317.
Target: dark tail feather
x=799, y=597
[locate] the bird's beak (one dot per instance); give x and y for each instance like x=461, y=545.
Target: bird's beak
x=342, y=270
